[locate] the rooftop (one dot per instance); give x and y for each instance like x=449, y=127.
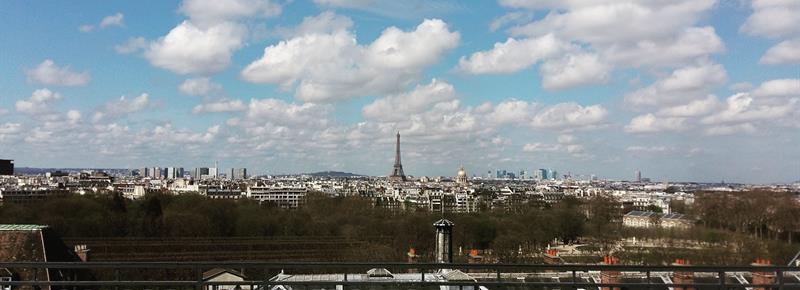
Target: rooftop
x=21, y=227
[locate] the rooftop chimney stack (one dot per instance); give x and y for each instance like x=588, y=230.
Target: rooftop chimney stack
x=682, y=277
x=610, y=277
x=444, y=241
x=763, y=278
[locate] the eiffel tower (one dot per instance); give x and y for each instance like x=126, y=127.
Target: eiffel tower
x=397, y=170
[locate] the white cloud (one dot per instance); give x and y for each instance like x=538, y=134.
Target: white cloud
x=682, y=85
x=221, y=106
x=73, y=116
x=692, y=109
x=189, y=49
x=730, y=129
x=38, y=103
x=569, y=116
x=120, y=108
x=86, y=28
x=541, y=147
x=113, y=20
x=786, y=52
x=574, y=70
x=9, y=131
x=282, y=113
x=132, y=45
x=199, y=87
x=511, y=56
x=773, y=18
x=49, y=73
x=511, y=112
x=742, y=108
x=325, y=23
x=326, y=67
x=778, y=88
x=213, y=12
x=515, y=17
x=649, y=123
x=649, y=149
x=400, y=106
x=590, y=21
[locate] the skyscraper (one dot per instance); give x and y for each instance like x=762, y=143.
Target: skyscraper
x=397, y=170
x=6, y=167
x=638, y=176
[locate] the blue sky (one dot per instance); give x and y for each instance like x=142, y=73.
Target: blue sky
x=687, y=90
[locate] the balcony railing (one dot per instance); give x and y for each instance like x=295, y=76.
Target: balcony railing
x=266, y=276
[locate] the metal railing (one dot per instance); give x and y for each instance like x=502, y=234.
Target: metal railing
x=262, y=276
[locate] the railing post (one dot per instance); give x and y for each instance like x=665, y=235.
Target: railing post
x=574, y=280
x=780, y=278
x=199, y=283
x=649, y=283
x=721, y=275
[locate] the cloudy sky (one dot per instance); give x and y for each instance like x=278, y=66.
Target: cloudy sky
x=683, y=90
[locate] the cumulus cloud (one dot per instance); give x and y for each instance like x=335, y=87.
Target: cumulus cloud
x=132, y=45
x=574, y=70
x=400, y=106
x=692, y=109
x=778, y=88
x=511, y=112
x=113, y=20
x=189, y=49
x=773, y=18
x=786, y=52
x=326, y=67
x=570, y=116
x=120, y=108
x=49, y=73
x=682, y=85
x=38, y=103
x=199, y=87
x=741, y=108
x=283, y=113
x=220, y=106
x=325, y=23
x=511, y=56
x=649, y=123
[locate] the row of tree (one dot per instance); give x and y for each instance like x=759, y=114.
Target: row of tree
x=764, y=214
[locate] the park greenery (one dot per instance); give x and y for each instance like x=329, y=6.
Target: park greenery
x=732, y=228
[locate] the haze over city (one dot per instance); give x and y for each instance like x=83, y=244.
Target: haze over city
x=686, y=90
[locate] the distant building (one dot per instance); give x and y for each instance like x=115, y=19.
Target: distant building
x=6, y=167
x=542, y=174
x=283, y=197
x=647, y=219
x=200, y=172
x=238, y=173
x=461, y=176
x=638, y=176
x=224, y=275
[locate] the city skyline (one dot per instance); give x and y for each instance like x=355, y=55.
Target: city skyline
x=710, y=93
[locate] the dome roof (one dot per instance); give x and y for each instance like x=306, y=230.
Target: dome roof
x=461, y=172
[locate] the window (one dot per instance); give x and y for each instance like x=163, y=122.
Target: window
x=4, y=279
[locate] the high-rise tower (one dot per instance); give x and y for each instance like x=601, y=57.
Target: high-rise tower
x=397, y=170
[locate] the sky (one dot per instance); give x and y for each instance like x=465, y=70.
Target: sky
x=682, y=90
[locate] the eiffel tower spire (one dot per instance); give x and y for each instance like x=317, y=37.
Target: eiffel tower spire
x=397, y=170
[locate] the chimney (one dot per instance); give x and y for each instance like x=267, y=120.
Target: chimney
x=610, y=276
x=83, y=252
x=444, y=241
x=551, y=257
x=412, y=259
x=763, y=278
x=682, y=277
x=475, y=257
